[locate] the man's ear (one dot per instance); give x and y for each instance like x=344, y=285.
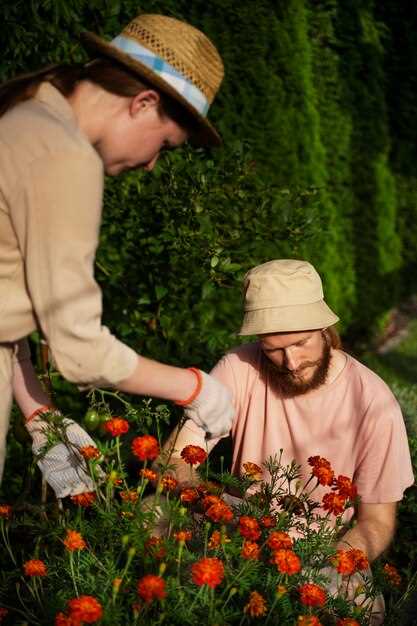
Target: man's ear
x=143, y=101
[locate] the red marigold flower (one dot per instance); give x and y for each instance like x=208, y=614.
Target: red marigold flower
x=193, y=455
x=268, y=521
x=84, y=499
x=346, y=487
x=334, y=503
x=116, y=426
x=148, y=474
x=256, y=607
x=156, y=548
x=317, y=461
x=312, y=595
x=90, y=452
x=145, y=448
x=250, y=551
x=249, y=527
x=189, y=496
x=278, y=539
x=169, y=483
x=64, y=620
x=3, y=613
x=308, y=620
x=86, y=609
x=5, y=511
x=74, y=541
x=129, y=496
x=211, y=499
x=183, y=535
x=360, y=558
x=347, y=621
x=392, y=574
x=220, y=513
x=287, y=561
x=35, y=567
x=344, y=562
x=253, y=471
x=324, y=475
x=208, y=571
x=151, y=587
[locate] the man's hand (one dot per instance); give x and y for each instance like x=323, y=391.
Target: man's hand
x=212, y=409
x=62, y=466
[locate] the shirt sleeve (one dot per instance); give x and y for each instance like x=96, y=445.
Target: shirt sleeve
x=57, y=231
x=384, y=470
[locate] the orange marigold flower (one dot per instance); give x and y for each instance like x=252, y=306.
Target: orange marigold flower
x=151, y=587
x=64, y=620
x=116, y=426
x=193, y=455
x=346, y=487
x=145, y=448
x=268, y=521
x=129, y=496
x=169, y=483
x=220, y=513
x=256, y=607
x=324, y=475
x=278, y=539
x=183, y=535
x=287, y=561
x=312, y=595
x=392, y=574
x=208, y=571
x=319, y=461
x=86, y=609
x=250, y=551
x=211, y=499
x=5, y=511
x=156, y=548
x=3, y=613
x=334, y=503
x=90, y=452
x=308, y=620
x=253, y=471
x=249, y=527
x=350, y=561
x=360, y=558
x=35, y=567
x=347, y=621
x=148, y=474
x=74, y=541
x=215, y=540
x=189, y=495
x=84, y=499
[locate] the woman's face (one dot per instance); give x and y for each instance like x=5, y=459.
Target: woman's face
x=136, y=135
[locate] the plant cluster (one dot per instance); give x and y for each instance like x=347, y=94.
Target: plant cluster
x=183, y=554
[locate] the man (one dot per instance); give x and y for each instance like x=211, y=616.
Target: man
x=295, y=389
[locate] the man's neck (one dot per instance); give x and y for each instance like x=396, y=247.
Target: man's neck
x=337, y=363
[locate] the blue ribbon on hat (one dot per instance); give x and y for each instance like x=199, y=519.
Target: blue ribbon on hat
x=164, y=70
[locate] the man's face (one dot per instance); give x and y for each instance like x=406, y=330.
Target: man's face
x=137, y=136
x=296, y=362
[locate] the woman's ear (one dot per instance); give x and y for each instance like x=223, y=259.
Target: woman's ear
x=143, y=101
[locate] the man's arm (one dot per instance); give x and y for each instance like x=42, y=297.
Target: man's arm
x=374, y=530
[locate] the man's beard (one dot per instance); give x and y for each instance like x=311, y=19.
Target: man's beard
x=286, y=384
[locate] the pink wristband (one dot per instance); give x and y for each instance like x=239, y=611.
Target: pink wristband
x=196, y=390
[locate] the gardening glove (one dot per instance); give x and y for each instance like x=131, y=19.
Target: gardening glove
x=212, y=409
x=62, y=466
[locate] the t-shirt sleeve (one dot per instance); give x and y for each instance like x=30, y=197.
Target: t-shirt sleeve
x=57, y=231
x=384, y=470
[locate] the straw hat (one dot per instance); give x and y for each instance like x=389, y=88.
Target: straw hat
x=284, y=296
x=173, y=56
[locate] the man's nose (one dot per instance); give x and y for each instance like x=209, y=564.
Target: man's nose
x=151, y=164
x=291, y=361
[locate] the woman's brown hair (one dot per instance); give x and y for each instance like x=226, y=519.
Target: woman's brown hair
x=108, y=74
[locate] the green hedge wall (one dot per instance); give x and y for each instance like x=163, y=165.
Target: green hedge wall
x=318, y=115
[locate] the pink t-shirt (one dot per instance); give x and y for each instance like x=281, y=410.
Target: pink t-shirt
x=355, y=422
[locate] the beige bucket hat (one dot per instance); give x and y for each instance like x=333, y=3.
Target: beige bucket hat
x=284, y=296
x=173, y=56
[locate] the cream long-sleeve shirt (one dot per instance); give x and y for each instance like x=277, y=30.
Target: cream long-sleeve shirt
x=51, y=188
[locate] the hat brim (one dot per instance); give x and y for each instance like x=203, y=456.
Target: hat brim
x=287, y=319
x=204, y=133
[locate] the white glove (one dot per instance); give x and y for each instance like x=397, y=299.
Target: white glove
x=63, y=467
x=212, y=409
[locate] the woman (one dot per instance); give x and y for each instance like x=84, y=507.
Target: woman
x=61, y=129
